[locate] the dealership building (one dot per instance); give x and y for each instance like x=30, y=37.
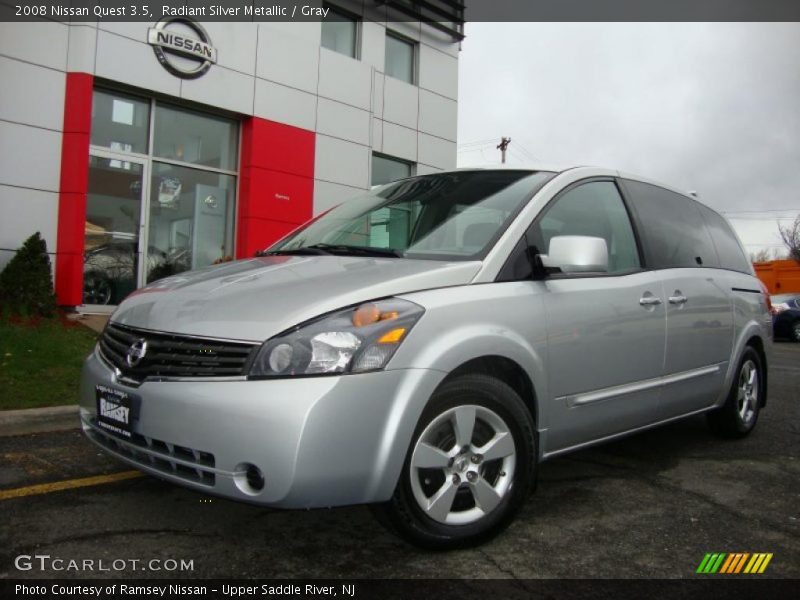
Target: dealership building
x=142, y=149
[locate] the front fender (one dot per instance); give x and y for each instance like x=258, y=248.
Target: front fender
x=468, y=322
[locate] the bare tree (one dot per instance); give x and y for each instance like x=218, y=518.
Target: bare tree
x=763, y=255
x=791, y=237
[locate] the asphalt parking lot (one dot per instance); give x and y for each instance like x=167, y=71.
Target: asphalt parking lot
x=648, y=506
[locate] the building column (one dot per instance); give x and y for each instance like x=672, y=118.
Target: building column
x=276, y=183
x=73, y=188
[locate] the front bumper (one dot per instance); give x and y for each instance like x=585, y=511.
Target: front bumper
x=319, y=441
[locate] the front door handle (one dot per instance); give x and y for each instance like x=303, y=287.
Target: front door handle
x=678, y=299
x=649, y=300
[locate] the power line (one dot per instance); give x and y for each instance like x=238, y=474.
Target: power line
x=474, y=149
x=765, y=244
x=477, y=143
x=734, y=218
x=526, y=152
x=766, y=210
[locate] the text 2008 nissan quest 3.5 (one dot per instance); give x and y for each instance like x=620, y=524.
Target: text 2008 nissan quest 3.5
x=424, y=346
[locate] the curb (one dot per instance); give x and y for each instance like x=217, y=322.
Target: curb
x=38, y=420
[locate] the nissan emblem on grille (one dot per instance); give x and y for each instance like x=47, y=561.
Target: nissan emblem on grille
x=136, y=352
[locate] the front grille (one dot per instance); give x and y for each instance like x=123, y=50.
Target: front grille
x=188, y=464
x=169, y=355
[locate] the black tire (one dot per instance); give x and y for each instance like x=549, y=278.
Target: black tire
x=487, y=398
x=739, y=415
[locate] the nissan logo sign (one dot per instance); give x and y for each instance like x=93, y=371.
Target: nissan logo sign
x=136, y=352
x=170, y=42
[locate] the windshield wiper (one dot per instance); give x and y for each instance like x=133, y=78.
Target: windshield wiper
x=355, y=250
x=301, y=251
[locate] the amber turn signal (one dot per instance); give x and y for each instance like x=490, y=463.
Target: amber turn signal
x=393, y=336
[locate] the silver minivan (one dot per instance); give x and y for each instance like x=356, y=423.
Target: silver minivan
x=422, y=347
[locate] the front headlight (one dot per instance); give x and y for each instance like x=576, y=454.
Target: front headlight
x=353, y=340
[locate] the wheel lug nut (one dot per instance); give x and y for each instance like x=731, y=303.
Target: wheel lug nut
x=476, y=458
x=456, y=479
x=472, y=476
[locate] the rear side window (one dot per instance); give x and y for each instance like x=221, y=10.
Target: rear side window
x=731, y=255
x=673, y=231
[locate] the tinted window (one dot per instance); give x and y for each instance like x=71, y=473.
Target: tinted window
x=592, y=209
x=731, y=255
x=673, y=231
x=518, y=265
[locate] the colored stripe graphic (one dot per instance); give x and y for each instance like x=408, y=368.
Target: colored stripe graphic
x=758, y=563
x=711, y=563
x=741, y=562
x=715, y=567
x=703, y=563
x=732, y=558
x=734, y=562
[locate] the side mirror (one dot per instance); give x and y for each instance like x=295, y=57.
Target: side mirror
x=576, y=254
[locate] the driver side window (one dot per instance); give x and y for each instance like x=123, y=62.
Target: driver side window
x=592, y=209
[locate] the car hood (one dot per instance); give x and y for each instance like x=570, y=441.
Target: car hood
x=258, y=298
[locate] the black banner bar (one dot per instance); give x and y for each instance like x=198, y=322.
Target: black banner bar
x=707, y=587
x=446, y=12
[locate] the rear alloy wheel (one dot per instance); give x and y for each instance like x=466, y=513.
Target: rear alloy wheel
x=738, y=416
x=470, y=466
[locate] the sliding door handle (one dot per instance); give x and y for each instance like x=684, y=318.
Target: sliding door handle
x=649, y=300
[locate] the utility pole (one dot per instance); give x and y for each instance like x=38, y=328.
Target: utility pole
x=504, y=142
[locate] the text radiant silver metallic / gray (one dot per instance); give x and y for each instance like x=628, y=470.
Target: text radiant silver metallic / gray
x=424, y=346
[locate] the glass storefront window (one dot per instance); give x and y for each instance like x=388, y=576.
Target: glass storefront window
x=191, y=218
x=120, y=122
x=156, y=206
x=111, y=237
x=196, y=138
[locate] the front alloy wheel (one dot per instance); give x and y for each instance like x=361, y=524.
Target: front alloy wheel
x=470, y=466
x=462, y=465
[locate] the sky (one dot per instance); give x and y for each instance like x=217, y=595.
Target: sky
x=708, y=107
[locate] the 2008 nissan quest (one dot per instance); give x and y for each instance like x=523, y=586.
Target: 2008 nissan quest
x=423, y=346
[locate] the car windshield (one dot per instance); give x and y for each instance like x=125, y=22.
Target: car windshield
x=446, y=216
x=781, y=298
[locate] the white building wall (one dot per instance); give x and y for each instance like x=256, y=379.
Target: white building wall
x=276, y=71
x=31, y=124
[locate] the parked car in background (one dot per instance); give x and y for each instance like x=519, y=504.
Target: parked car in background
x=786, y=316
x=424, y=346
x=109, y=270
